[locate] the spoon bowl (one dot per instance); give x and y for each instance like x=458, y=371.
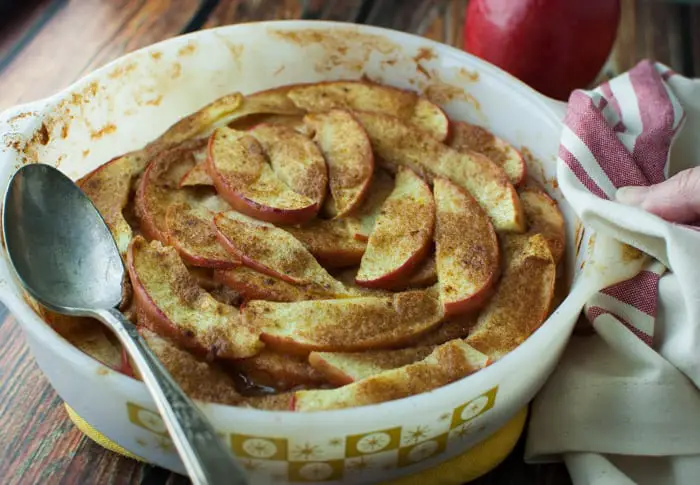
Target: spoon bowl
x=58, y=243
x=65, y=257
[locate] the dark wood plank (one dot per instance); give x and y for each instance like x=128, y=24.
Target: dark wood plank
x=660, y=31
x=28, y=438
x=339, y=10
x=694, y=40
x=153, y=22
x=654, y=22
x=445, y=22
x=38, y=443
x=84, y=34
x=406, y=15
x=55, y=41
x=624, y=53
x=237, y=11
x=19, y=22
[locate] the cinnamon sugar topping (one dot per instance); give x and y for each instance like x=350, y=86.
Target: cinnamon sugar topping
x=232, y=221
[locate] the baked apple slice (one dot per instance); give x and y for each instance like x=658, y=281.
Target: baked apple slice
x=205, y=381
x=190, y=231
x=366, y=215
x=424, y=275
x=332, y=242
x=452, y=328
x=221, y=293
x=243, y=176
x=348, y=153
x=157, y=189
x=197, y=175
x=466, y=249
x=402, y=233
x=344, y=325
x=365, y=96
x=253, y=285
x=341, y=368
x=347, y=277
x=223, y=111
x=295, y=122
x=269, y=402
x=171, y=301
x=203, y=276
x=272, y=251
x=295, y=160
x=466, y=137
x=278, y=371
x=87, y=335
x=108, y=187
x=448, y=363
x=523, y=298
x=198, y=124
x=430, y=117
x=399, y=144
x=544, y=217
x=273, y=101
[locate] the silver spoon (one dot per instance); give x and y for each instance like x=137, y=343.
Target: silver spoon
x=66, y=258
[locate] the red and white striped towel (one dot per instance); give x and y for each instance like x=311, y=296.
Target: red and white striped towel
x=623, y=406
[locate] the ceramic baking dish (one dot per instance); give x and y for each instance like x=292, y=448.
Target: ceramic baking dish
x=132, y=100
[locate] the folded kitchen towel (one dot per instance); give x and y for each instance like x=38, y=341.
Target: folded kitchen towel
x=623, y=406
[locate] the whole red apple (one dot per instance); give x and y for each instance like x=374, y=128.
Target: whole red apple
x=555, y=46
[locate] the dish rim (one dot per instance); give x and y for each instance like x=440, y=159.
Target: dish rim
x=17, y=304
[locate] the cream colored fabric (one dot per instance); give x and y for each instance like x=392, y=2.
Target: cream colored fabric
x=616, y=410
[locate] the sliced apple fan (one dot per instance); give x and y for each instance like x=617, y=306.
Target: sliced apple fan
x=342, y=243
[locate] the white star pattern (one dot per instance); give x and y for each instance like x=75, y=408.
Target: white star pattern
x=417, y=435
x=316, y=471
x=151, y=421
x=259, y=448
x=423, y=451
x=306, y=452
x=474, y=408
x=373, y=443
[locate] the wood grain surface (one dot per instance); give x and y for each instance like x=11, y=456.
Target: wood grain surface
x=47, y=44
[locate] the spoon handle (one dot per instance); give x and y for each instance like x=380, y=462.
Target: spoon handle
x=202, y=451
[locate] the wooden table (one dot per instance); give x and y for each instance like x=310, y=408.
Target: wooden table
x=47, y=44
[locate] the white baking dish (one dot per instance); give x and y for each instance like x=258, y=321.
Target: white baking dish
x=132, y=100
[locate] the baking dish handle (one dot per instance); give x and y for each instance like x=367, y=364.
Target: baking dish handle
x=556, y=107
x=16, y=125
x=20, y=117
